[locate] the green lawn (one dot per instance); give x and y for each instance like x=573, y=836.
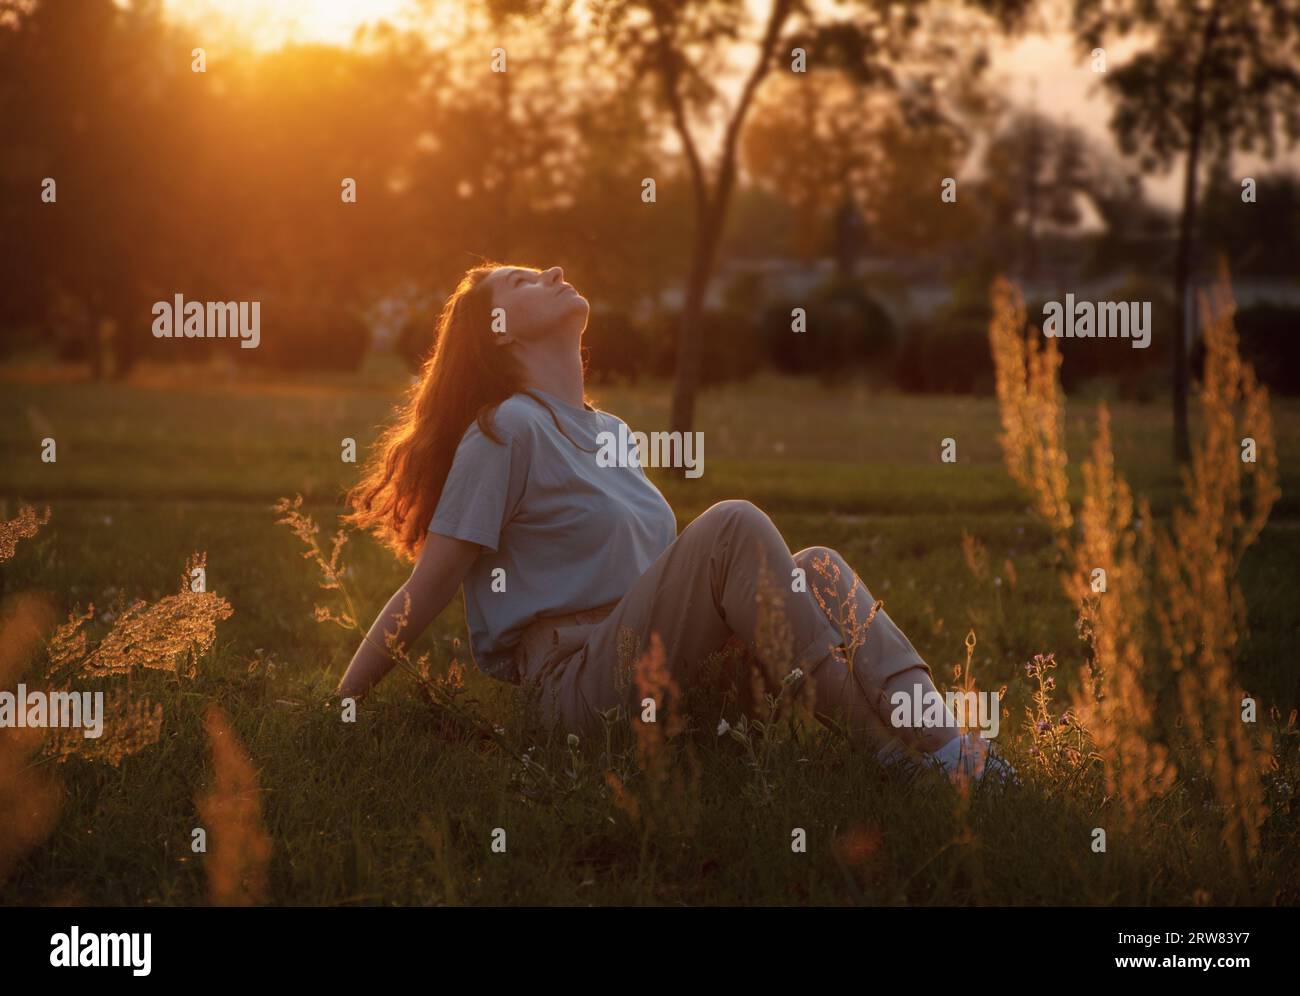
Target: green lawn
x=386, y=811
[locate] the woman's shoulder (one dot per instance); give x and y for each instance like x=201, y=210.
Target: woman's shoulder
x=519, y=413
x=522, y=411
x=513, y=418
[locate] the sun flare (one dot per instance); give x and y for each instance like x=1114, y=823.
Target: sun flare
x=268, y=24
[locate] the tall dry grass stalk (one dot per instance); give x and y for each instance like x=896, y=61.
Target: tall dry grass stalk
x=976, y=555
x=963, y=683
x=26, y=524
x=30, y=795
x=663, y=794
x=172, y=634
x=784, y=685
x=1114, y=706
x=239, y=849
x=1117, y=705
x=840, y=606
x=130, y=725
x=781, y=691
x=443, y=696
x=1201, y=611
x=1171, y=609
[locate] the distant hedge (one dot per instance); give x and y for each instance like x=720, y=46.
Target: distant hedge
x=1270, y=341
x=848, y=331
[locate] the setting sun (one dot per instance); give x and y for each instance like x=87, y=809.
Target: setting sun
x=268, y=24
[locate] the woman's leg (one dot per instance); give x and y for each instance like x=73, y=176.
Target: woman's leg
x=860, y=693
x=706, y=587
x=700, y=591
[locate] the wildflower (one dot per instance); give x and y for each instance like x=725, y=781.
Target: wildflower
x=25, y=526
x=130, y=726
x=723, y=727
x=169, y=635
x=573, y=740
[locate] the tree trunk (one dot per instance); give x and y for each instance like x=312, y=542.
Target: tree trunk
x=1186, y=229
x=1182, y=270
x=711, y=210
x=689, y=333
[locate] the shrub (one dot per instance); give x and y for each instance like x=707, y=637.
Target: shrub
x=1138, y=374
x=847, y=330
x=303, y=333
x=619, y=347
x=731, y=348
x=947, y=354
x=1270, y=342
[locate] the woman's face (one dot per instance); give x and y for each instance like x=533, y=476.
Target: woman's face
x=536, y=304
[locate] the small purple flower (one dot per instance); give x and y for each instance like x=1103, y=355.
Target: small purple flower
x=1044, y=726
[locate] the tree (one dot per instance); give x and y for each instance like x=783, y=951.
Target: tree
x=1033, y=175
x=1216, y=76
x=684, y=47
x=843, y=155
x=1253, y=241
x=72, y=80
x=527, y=145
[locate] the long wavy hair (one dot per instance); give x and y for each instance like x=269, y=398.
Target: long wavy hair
x=463, y=380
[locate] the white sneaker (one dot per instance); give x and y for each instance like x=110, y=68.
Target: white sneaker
x=970, y=759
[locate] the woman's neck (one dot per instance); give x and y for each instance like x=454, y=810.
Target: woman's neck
x=559, y=375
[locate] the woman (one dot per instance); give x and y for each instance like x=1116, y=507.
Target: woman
x=490, y=479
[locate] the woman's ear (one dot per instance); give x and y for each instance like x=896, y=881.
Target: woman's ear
x=500, y=331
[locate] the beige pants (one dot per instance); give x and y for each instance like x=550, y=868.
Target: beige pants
x=702, y=590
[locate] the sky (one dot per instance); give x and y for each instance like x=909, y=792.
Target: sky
x=267, y=24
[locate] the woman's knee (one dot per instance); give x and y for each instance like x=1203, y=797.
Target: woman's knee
x=824, y=566
x=810, y=553
x=735, y=514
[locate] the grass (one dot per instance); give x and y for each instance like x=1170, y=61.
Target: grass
x=391, y=810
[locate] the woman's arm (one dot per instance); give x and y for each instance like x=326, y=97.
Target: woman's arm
x=441, y=568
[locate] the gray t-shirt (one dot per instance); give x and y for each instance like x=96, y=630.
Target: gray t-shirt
x=568, y=533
